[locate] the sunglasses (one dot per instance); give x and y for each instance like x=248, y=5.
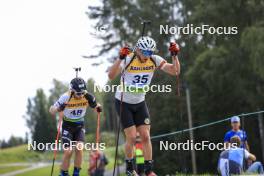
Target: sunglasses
x=79, y=93
x=146, y=52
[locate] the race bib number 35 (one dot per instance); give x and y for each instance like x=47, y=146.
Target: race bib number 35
x=140, y=79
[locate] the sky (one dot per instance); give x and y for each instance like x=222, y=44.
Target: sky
x=41, y=40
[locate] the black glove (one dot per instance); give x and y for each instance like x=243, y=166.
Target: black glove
x=91, y=99
x=99, y=109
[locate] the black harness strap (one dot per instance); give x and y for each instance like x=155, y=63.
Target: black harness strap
x=134, y=56
x=153, y=61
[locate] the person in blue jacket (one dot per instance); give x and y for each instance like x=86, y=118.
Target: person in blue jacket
x=236, y=131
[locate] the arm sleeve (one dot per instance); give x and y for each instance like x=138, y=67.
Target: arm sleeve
x=159, y=61
x=246, y=154
x=227, y=137
x=91, y=100
x=63, y=99
x=245, y=137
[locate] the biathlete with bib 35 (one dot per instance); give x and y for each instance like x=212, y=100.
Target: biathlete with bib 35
x=137, y=70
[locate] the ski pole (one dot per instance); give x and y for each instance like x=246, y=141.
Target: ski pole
x=97, y=136
x=177, y=72
x=57, y=140
x=98, y=129
x=144, y=23
x=178, y=82
x=174, y=59
x=119, y=125
x=182, y=155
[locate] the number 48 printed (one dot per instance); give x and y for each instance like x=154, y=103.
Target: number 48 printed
x=76, y=112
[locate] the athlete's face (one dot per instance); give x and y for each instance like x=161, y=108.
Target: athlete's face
x=78, y=95
x=143, y=55
x=235, y=126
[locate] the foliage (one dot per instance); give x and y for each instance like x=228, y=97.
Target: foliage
x=12, y=142
x=224, y=72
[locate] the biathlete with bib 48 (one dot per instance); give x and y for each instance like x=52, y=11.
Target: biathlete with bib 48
x=137, y=70
x=73, y=104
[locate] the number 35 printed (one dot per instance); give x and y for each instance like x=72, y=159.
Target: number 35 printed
x=140, y=79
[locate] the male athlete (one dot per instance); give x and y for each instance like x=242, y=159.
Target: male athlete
x=138, y=69
x=73, y=104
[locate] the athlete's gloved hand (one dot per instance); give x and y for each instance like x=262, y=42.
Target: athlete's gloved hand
x=61, y=107
x=124, y=52
x=174, y=48
x=98, y=108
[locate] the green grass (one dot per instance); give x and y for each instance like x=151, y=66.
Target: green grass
x=21, y=154
x=7, y=169
x=46, y=170
x=110, y=154
x=18, y=154
x=40, y=172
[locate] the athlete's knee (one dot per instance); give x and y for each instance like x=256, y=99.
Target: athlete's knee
x=78, y=152
x=79, y=147
x=145, y=137
x=67, y=153
x=131, y=138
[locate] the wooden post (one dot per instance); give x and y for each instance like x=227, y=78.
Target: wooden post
x=261, y=133
x=188, y=100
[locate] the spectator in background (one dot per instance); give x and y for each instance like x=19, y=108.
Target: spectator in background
x=97, y=163
x=231, y=160
x=236, y=131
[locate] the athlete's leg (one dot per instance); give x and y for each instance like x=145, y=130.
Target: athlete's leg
x=129, y=127
x=144, y=132
x=131, y=134
x=78, y=155
x=67, y=149
x=67, y=153
x=79, y=138
x=142, y=121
